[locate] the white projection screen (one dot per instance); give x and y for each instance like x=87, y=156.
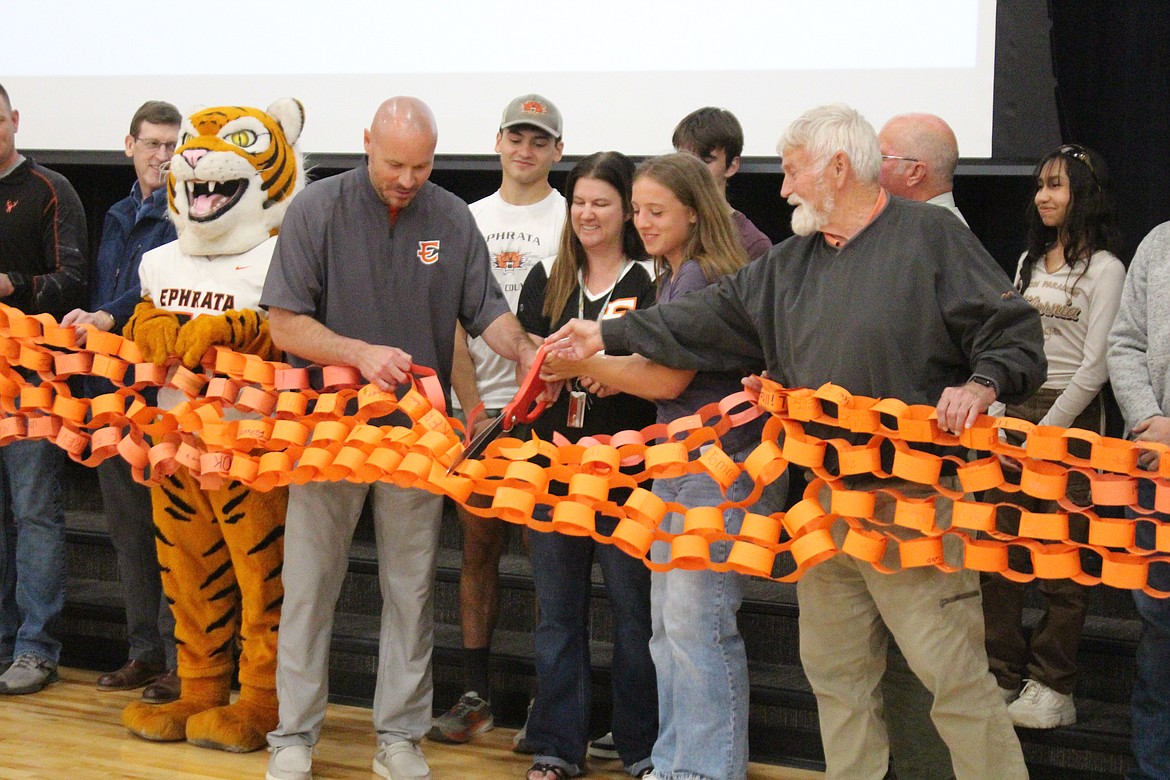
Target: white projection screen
x=621, y=71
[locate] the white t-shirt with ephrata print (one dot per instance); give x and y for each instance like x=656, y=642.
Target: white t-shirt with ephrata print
x=518, y=238
x=204, y=284
x=195, y=285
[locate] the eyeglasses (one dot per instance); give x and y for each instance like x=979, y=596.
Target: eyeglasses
x=153, y=146
x=899, y=157
x=1078, y=152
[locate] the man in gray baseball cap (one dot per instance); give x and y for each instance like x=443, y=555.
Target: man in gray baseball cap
x=536, y=111
x=521, y=223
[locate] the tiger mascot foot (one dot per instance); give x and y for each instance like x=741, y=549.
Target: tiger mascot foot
x=238, y=728
x=168, y=722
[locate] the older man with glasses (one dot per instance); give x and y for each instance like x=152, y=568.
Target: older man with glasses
x=133, y=226
x=919, y=155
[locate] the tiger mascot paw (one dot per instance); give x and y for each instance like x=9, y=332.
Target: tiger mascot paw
x=244, y=331
x=168, y=722
x=237, y=728
x=154, y=330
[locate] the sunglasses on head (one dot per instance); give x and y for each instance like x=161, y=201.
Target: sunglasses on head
x=1078, y=152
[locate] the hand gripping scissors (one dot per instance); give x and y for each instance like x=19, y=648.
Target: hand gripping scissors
x=524, y=407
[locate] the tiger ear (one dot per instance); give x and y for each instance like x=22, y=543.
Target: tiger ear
x=290, y=113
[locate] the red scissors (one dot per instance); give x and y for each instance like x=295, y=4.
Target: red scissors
x=524, y=407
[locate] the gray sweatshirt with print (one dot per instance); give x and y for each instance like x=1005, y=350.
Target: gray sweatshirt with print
x=1139, y=342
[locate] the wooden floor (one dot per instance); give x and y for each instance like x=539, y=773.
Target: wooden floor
x=72, y=730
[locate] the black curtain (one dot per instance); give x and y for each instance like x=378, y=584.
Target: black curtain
x=1111, y=59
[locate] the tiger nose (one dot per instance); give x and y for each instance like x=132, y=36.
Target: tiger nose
x=193, y=156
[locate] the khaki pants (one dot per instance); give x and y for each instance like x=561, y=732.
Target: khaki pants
x=322, y=517
x=937, y=620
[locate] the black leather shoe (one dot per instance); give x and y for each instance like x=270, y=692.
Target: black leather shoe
x=133, y=674
x=164, y=689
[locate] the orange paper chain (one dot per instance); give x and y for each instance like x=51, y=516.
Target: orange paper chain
x=301, y=426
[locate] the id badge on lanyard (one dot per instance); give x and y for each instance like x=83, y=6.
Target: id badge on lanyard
x=577, y=402
x=579, y=399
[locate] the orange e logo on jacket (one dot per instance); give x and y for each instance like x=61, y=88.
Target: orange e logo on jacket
x=428, y=252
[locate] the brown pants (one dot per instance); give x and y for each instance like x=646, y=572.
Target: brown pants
x=1051, y=655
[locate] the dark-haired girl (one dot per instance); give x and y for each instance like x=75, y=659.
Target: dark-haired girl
x=1072, y=276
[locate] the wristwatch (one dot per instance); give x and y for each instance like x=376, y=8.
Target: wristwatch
x=986, y=381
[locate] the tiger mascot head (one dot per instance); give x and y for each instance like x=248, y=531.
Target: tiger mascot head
x=233, y=175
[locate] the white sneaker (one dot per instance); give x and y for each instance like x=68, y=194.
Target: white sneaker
x=603, y=748
x=401, y=761
x=520, y=743
x=290, y=762
x=1040, y=707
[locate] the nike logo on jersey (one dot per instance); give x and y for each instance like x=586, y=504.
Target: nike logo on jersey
x=242, y=267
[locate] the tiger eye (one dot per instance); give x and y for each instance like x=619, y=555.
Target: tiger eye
x=242, y=138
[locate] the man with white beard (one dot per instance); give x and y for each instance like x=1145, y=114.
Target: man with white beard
x=886, y=298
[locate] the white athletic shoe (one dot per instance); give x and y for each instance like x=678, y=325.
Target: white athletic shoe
x=401, y=761
x=290, y=762
x=1040, y=707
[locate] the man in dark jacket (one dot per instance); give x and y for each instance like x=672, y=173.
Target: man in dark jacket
x=134, y=225
x=43, y=269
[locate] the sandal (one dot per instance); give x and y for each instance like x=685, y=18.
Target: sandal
x=558, y=772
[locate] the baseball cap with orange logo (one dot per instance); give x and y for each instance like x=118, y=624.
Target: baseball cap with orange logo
x=533, y=110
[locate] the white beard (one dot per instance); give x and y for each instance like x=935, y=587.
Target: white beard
x=808, y=219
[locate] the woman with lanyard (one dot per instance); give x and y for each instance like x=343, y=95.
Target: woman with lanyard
x=599, y=272
x=1072, y=276
x=698, y=652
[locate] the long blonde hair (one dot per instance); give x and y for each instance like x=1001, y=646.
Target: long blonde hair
x=713, y=240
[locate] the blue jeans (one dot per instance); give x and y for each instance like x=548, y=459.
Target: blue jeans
x=559, y=723
x=32, y=549
x=697, y=648
x=1150, y=705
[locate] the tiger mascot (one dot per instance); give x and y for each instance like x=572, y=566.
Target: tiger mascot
x=220, y=551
